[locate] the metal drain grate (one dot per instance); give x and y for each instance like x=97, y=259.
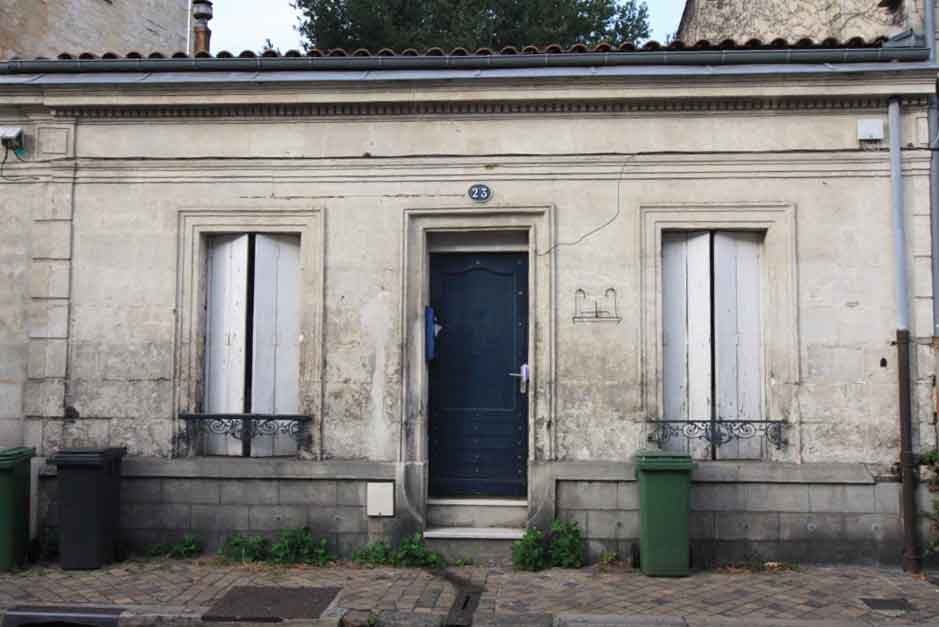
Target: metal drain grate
x=49, y=616
x=261, y=604
x=888, y=605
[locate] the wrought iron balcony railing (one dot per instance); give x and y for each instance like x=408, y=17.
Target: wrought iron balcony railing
x=217, y=434
x=719, y=432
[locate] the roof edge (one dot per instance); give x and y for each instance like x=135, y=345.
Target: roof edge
x=520, y=61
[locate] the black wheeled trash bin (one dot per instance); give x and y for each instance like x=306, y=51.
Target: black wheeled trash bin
x=89, y=501
x=14, y=506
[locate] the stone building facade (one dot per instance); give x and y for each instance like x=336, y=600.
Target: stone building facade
x=555, y=220
x=46, y=28
x=742, y=20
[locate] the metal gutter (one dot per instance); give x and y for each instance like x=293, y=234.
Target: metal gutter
x=933, y=119
x=358, y=76
x=473, y=62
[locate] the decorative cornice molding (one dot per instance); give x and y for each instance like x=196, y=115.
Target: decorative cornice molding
x=453, y=108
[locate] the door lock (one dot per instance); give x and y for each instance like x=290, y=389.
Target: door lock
x=523, y=376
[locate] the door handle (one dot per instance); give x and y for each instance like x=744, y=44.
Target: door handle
x=523, y=377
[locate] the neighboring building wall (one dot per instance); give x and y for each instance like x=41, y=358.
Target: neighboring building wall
x=716, y=20
x=46, y=28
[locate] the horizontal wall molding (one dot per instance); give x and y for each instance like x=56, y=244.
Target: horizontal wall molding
x=397, y=169
x=458, y=108
x=256, y=468
x=722, y=472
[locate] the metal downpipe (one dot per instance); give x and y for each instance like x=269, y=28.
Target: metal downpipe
x=929, y=30
x=912, y=561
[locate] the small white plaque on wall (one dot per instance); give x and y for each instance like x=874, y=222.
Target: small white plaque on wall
x=870, y=130
x=380, y=498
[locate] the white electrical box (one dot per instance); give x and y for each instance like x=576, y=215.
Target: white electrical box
x=871, y=130
x=380, y=498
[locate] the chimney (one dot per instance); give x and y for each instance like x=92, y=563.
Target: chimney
x=202, y=35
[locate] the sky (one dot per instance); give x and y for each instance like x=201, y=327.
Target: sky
x=245, y=24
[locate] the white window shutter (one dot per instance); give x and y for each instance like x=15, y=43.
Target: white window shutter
x=738, y=342
x=276, y=336
x=686, y=316
x=226, y=293
x=675, y=325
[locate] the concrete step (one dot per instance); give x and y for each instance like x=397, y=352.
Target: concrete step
x=481, y=546
x=477, y=513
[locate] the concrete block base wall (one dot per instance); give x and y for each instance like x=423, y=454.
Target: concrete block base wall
x=164, y=501
x=740, y=512
x=813, y=513
x=821, y=523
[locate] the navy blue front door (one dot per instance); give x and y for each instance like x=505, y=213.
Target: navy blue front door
x=478, y=412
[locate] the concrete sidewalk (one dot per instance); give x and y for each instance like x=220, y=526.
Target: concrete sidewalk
x=180, y=592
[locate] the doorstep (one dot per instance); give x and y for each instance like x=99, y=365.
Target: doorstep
x=474, y=533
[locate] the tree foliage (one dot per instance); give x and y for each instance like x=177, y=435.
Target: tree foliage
x=471, y=24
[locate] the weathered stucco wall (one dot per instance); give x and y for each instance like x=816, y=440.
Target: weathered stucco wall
x=32, y=28
x=114, y=224
x=717, y=20
x=15, y=222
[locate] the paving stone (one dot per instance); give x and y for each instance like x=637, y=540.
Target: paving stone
x=828, y=595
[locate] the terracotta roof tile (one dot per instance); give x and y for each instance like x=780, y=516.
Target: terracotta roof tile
x=579, y=48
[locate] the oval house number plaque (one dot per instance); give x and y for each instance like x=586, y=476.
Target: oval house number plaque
x=479, y=193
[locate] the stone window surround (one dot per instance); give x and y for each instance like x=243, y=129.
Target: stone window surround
x=419, y=224
x=779, y=299
x=194, y=225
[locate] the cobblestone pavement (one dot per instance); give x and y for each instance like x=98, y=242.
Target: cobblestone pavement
x=809, y=593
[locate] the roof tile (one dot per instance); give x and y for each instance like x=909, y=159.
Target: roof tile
x=578, y=48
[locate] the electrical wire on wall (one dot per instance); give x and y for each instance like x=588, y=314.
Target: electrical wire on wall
x=14, y=179
x=597, y=229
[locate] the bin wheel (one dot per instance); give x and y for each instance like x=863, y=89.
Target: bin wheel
x=634, y=555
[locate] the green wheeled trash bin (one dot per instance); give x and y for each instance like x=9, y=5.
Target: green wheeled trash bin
x=14, y=506
x=89, y=500
x=664, y=507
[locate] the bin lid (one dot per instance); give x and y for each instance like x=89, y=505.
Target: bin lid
x=663, y=460
x=11, y=456
x=86, y=456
